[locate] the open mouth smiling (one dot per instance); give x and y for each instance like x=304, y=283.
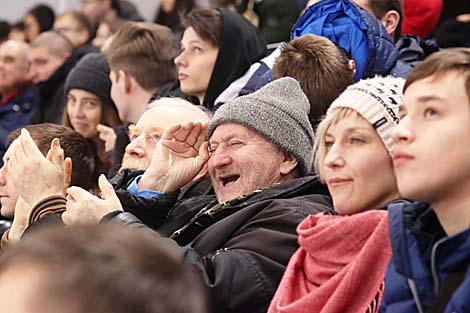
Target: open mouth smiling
x=227, y=180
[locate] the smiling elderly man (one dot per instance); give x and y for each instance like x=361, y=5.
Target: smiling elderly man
x=259, y=161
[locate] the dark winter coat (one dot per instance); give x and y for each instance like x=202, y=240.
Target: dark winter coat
x=15, y=113
x=423, y=257
x=241, y=247
x=412, y=50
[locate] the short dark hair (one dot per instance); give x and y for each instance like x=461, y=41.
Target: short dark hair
x=146, y=51
x=207, y=23
x=321, y=67
x=75, y=146
x=440, y=63
x=5, y=28
x=107, y=268
x=44, y=15
x=381, y=7
x=54, y=43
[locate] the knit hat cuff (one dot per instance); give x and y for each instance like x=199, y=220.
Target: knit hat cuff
x=380, y=110
x=286, y=141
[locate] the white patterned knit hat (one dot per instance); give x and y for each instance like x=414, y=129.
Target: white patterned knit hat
x=377, y=100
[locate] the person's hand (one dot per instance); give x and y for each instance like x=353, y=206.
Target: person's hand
x=20, y=220
x=179, y=156
x=85, y=208
x=108, y=135
x=56, y=156
x=34, y=176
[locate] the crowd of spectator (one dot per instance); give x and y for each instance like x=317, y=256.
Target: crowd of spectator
x=236, y=156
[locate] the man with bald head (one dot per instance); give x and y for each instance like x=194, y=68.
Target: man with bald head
x=146, y=133
x=17, y=96
x=51, y=58
x=144, y=136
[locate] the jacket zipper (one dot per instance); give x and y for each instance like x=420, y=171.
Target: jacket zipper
x=435, y=276
x=415, y=293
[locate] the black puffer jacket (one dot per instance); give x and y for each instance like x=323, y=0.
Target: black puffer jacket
x=241, y=247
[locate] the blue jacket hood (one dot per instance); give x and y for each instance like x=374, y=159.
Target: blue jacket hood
x=356, y=31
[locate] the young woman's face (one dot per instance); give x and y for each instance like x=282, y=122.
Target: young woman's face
x=31, y=27
x=195, y=64
x=84, y=110
x=357, y=167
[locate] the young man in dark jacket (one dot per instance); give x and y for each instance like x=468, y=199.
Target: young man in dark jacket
x=241, y=239
x=429, y=270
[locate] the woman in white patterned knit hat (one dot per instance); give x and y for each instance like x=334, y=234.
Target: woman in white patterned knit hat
x=340, y=265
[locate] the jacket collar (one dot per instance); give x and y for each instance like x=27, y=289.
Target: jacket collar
x=414, y=232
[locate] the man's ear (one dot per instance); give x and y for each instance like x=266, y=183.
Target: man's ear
x=126, y=80
x=352, y=67
x=390, y=21
x=288, y=164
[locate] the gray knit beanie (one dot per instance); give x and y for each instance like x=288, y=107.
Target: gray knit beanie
x=278, y=111
x=91, y=74
x=377, y=100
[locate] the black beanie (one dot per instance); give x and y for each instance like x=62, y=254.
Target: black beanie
x=91, y=74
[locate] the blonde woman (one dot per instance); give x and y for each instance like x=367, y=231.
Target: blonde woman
x=340, y=265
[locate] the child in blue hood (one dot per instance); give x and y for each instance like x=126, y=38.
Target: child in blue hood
x=356, y=31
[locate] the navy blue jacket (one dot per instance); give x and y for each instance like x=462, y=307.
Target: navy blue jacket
x=423, y=256
x=16, y=113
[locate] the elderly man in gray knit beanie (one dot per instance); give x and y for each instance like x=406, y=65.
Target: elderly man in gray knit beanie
x=258, y=152
x=255, y=141
x=260, y=139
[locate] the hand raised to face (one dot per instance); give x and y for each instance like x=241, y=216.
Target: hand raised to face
x=179, y=156
x=108, y=135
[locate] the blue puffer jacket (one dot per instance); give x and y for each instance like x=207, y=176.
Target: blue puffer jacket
x=358, y=32
x=16, y=113
x=423, y=256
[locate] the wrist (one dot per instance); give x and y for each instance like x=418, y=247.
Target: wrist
x=34, y=200
x=18, y=226
x=151, y=182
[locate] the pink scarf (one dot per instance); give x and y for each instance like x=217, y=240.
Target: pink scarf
x=339, y=267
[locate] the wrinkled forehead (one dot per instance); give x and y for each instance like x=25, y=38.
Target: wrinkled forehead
x=165, y=115
x=145, y=128
x=9, y=49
